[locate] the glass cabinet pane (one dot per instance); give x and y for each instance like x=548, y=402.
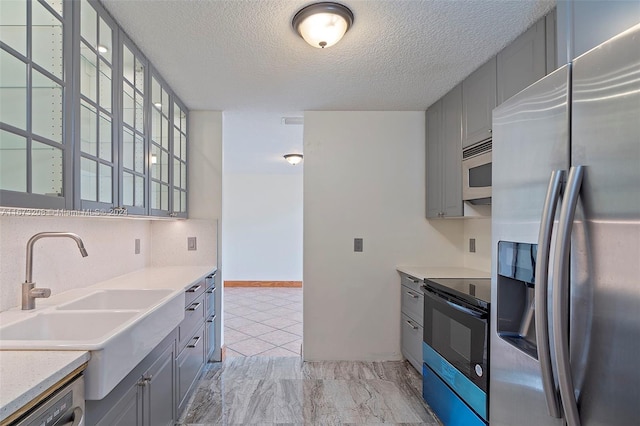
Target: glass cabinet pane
x=105, y=46
x=176, y=115
x=46, y=107
x=155, y=195
x=164, y=197
x=176, y=142
x=155, y=126
x=139, y=192
x=127, y=189
x=55, y=5
x=46, y=169
x=176, y=200
x=176, y=172
x=127, y=148
x=183, y=147
x=155, y=162
x=139, y=113
x=183, y=201
x=13, y=162
x=164, y=166
x=128, y=65
x=88, y=23
x=164, y=137
x=88, y=179
x=105, y=85
x=13, y=90
x=183, y=179
x=88, y=72
x=138, y=155
x=105, y=144
x=88, y=129
x=128, y=110
x=46, y=39
x=13, y=25
x=106, y=185
x=139, y=83
x=156, y=94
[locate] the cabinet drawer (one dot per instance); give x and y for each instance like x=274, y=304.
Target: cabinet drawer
x=193, y=292
x=413, y=283
x=411, y=342
x=189, y=364
x=210, y=301
x=413, y=304
x=194, y=315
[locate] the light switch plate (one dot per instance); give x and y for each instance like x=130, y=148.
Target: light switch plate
x=137, y=251
x=191, y=244
x=472, y=245
x=357, y=245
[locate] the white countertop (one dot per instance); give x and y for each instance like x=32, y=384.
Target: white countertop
x=26, y=374
x=423, y=272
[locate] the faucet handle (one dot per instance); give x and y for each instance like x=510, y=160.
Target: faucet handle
x=40, y=293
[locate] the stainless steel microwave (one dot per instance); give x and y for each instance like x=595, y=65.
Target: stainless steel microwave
x=476, y=173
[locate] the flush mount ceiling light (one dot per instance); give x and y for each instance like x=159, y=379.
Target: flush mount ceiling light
x=293, y=158
x=323, y=24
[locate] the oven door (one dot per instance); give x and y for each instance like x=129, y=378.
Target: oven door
x=476, y=178
x=458, y=332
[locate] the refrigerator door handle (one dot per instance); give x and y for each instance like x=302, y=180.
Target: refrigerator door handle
x=541, y=291
x=561, y=296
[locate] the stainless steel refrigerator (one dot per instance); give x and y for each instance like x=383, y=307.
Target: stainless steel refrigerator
x=565, y=307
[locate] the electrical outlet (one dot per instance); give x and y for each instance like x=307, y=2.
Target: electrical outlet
x=357, y=245
x=472, y=245
x=137, y=246
x=192, y=244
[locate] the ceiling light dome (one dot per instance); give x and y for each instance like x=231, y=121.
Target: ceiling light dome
x=293, y=158
x=323, y=24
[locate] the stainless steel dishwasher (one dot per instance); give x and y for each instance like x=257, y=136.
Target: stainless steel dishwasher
x=65, y=407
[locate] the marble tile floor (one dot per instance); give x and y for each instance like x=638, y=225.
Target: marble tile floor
x=262, y=321
x=286, y=390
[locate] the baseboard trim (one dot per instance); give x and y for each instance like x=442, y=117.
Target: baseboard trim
x=263, y=284
x=223, y=352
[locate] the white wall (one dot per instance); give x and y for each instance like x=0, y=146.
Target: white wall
x=263, y=225
x=57, y=263
x=365, y=177
x=480, y=229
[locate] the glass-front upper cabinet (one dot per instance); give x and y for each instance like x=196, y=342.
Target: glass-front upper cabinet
x=97, y=147
x=179, y=156
x=35, y=149
x=134, y=151
x=160, y=148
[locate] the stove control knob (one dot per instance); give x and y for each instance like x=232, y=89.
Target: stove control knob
x=479, y=371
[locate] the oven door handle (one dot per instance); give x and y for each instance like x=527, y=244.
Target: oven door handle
x=464, y=309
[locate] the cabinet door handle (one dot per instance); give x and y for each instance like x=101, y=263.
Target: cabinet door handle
x=196, y=340
x=412, y=294
x=194, y=288
x=412, y=325
x=211, y=318
x=413, y=280
x=194, y=306
x=211, y=290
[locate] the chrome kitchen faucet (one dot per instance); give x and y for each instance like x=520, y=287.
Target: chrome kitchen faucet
x=29, y=292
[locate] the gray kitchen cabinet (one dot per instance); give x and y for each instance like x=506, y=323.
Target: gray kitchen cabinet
x=444, y=156
x=523, y=62
x=145, y=397
x=210, y=315
x=412, y=308
x=478, y=102
x=434, y=160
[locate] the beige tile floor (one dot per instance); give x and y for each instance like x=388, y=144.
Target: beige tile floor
x=262, y=321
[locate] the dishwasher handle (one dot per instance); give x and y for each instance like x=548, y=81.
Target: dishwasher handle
x=77, y=415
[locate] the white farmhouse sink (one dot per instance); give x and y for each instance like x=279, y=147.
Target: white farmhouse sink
x=117, y=299
x=119, y=327
x=66, y=326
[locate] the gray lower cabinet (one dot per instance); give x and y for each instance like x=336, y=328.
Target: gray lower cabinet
x=444, y=156
x=145, y=396
x=478, y=102
x=412, y=308
x=210, y=315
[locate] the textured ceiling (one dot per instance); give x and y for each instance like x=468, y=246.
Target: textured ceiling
x=243, y=55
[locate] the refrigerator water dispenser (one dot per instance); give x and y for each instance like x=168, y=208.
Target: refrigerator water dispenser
x=516, y=288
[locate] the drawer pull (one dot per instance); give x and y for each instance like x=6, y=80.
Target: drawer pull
x=413, y=280
x=412, y=325
x=194, y=306
x=196, y=340
x=211, y=290
x=211, y=318
x=194, y=288
x=412, y=294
